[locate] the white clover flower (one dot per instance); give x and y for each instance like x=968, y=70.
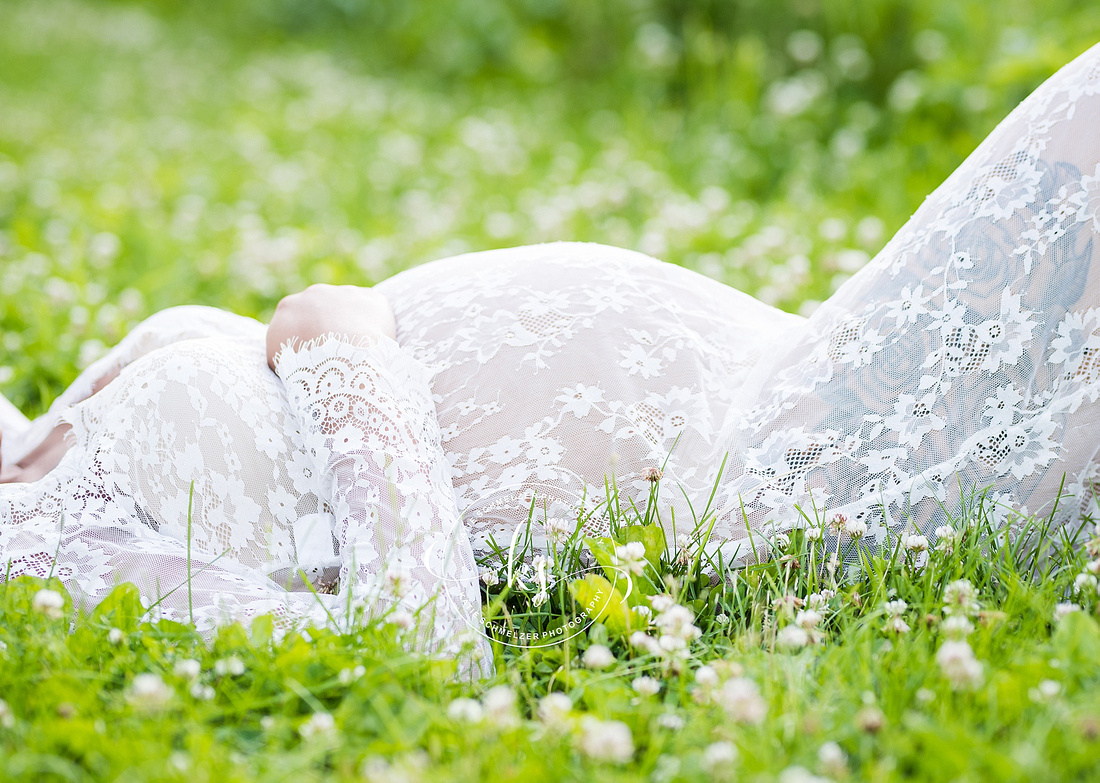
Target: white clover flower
x=808, y=619
x=499, y=703
x=896, y=624
x=1050, y=688
x=48, y=602
x=488, y=577
x=1045, y=691
x=646, y=686
x=554, y=709
x=232, y=665
x=870, y=719
x=706, y=676
x=662, y=602
x=644, y=611
x=678, y=621
x=672, y=644
x=201, y=692
x=644, y=641
x=894, y=608
x=782, y=541
x=958, y=664
x=814, y=534
x=631, y=556
x=1093, y=567
x=722, y=619
x=856, y=528
x=837, y=523
x=792, y=637
x=348, y=676
x=670, y=721
x=833, y=759
x=1084, y=583
x=741, y=700
x=7, y=719
x=915, y=543
x=718, y=756
x=652, y=474
x=187, y=668
x=558, y=530
x=946, y=538
x=378, y=768
x=598, y=657
x=957, y=626
x=925, y=696
x=401, y=618
x=318, y=724
x=398, y=579
x=465, y=710
x=606, y=740
x=960, y=597
x=685, y=549
x=1063, y=609
x=149, y=692
x=797, y=774
x=115, y=636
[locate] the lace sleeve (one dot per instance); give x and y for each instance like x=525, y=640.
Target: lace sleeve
x=370, y=426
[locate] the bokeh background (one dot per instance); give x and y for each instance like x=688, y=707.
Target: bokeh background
x=227, y=153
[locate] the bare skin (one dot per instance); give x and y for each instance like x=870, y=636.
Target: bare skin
x=40, y=461
x=359, y=313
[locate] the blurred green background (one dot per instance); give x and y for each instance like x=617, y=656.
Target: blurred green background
x=227, y=153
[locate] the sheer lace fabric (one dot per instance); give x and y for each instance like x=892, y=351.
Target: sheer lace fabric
x=965, y=356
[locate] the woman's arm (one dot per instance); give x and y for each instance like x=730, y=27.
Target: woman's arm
x=367, y=414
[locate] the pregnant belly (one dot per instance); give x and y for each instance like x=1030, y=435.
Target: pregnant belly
x=557, y=366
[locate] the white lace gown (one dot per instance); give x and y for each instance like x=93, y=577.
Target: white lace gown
x=965, y=357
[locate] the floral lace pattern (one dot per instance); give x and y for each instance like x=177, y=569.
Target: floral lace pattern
x=965, y=356
x=555, y=366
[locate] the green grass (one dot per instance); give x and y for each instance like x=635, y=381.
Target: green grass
x=227, y=154
x=748, y=699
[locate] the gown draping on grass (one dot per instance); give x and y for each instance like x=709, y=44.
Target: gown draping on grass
x=964, y=357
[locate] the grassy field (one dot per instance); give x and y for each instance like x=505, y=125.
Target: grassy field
x=162, y=153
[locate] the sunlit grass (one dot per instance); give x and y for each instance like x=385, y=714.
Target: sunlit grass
x=228, y=154
x=161, y=154
x=975, y=659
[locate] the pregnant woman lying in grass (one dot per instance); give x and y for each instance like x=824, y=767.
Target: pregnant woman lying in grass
x=368, y=445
